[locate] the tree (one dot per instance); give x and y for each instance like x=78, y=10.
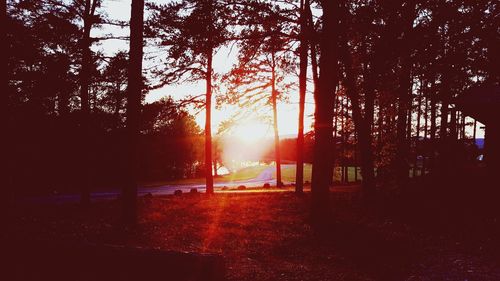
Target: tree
x=259, y=77
x=133, y=109
x=303, y=58
x=88, y=17
x=114, y=84
x=323, y=115
x=4, y=115
x=171, y=142
x=405, y=90
x=193, y=31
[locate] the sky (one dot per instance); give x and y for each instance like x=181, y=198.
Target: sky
x=223, y=61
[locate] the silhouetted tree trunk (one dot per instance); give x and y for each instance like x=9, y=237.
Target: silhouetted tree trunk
x=365, y=138
x=453, y=125
x=4, y=117
x=299, y=177
x=433, y=128
x=462, y=126
x=118, y=103
x=344, y=111
x=63, y=103
x=443, y=133
x=404, y=96
x=474, y=131
x=277, y=154
x=134, y=110
x=417, y=137
x=215, y=156
x=426, y=131
x=323, y=115
x=85, y=76
x=362, y=124
x=209, y=178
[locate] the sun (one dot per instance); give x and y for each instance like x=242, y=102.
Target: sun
x=251, y=131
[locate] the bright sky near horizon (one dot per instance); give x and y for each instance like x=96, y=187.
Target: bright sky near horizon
x=223, y=61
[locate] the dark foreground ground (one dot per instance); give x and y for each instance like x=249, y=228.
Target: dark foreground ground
x=266, y=236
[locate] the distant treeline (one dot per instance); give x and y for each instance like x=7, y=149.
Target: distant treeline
x=48, y=155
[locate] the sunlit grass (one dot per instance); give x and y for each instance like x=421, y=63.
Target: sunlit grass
x=243, y=174
x=288, y=173
x=246, y=173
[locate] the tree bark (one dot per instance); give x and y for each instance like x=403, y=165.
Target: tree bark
x=215, y=158
x=299, y=176
x=404, y=96
x=433, y=128
x=85, y=77
x=277, y=153
x=443, y=133
x=118, y=104
x=129, y=193
x=426, y=130
x=84, y=99
x=417, y=137
x=209, y=179
x=362, y=124
x=5, y=144
x=323, y=127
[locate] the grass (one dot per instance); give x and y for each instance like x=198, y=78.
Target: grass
x=288, y=173
x=266, y=236
x=243, y=174
x=239, y=175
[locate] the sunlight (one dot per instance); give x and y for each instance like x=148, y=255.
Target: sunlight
x=252, y=131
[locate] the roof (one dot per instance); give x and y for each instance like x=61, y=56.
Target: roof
x=481, y=102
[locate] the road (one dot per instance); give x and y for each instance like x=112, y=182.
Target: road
x=265, y=176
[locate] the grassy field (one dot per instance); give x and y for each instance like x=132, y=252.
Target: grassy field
x=267, y=237
x=242, y=174
x=288, y=173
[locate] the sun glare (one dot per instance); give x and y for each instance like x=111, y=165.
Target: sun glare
x=252, y=131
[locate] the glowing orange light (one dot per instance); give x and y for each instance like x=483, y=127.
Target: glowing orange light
x=251, y=131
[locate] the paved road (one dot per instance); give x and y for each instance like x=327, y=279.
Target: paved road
x=265, y=176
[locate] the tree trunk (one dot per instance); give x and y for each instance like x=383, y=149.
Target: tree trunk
x=362, y=125
x=426, y=131
x=118, y=103
x=5, y=140
x=443, y=133
x=345, y=142
x=417, y=136
x=313, y=43
x=462, y=126
x=208, y=126
x=63, y=103
x=323, y=115
x=474, y=131
x=133, y=110
x=404, y=97
x=215, y=158
x=215, y=168
x=299, y=176
x=402, y=141
x=342, y=140
x=277, y=154
x=366, y=138
x=85, y=106
x=433, y=128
